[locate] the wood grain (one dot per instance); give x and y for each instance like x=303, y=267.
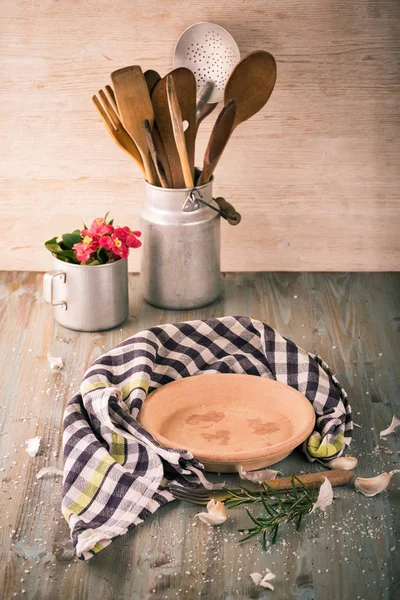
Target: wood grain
x=351, y=320
x=314, y=174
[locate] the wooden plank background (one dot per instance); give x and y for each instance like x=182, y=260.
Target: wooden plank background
x=351, y=320
x=315, y=174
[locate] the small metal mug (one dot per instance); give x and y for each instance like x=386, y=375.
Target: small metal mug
x=181, y=247
x=88, y=298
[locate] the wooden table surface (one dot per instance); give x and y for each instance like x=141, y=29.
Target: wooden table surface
x=351, y=320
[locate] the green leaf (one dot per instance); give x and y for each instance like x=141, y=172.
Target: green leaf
x=53, y=247
x=69, y=254
x=105, y=218
x=70, y=239
x=102, y=256
x=92, y=262
x=111, y=222
x=52, y=241
x=65, y=255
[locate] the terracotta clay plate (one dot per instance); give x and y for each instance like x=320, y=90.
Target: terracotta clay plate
x=227, y=420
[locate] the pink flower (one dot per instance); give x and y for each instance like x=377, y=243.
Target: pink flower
x=105, y=242
x=82, y=251
x=95, y=243
x=132, y=241
x=123, y=232
x=119, y=247
x=98, y=227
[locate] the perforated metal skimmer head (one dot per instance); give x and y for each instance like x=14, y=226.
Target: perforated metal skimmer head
x=210, y=52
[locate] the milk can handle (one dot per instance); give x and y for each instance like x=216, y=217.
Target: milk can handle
x=48, y=287
x=225, y=209
x=228, y=212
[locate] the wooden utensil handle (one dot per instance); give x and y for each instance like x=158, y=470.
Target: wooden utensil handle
x=176, y=120
x=155, y=155
x=336, y=477
x=229, y=213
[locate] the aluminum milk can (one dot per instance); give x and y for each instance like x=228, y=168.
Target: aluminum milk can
x=181, y=247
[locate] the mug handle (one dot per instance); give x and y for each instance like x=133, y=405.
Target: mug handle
x=48, y=287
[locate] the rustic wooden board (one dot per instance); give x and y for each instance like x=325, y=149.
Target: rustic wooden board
x=351, y=320
x=314, y=175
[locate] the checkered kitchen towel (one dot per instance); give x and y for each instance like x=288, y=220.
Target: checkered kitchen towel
x=115, y=473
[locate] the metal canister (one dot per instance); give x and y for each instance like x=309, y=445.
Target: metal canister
x=88, y=298
x=181, y=265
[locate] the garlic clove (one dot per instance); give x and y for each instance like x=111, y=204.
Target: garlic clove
x=371, y=486
x=325, y=496
x=216, y=513
x=256, y=577
x=348, y=463
x=259, y=476
x=395, y=423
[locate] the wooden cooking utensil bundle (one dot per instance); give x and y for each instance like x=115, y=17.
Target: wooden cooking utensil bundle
x=155, y=120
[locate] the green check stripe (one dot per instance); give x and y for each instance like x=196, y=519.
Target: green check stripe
x=315, y=448
x=91, y=488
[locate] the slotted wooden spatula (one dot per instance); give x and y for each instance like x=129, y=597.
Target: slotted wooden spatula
x=134, y=106
x=220, y=135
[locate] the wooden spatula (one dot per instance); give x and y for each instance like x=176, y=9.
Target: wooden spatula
x=134, y=106
x=115, y=128
x=220, y=135
x=155, y=135
x=250, y=84
x=186, y=93
x=152, y=78
x=185, y=88
x=177, y=126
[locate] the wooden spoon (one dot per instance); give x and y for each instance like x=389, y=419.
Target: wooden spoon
x=250, y=84
x=134, y=106
x=152, y=78
x=220, y=135
x=177, y=126
x=185, y=86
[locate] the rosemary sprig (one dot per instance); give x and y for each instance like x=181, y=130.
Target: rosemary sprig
x=287, y=505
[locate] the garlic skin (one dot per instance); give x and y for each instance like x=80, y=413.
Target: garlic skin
x=395, y=423
x=371, y=486
x=348, y=463
x=258, y=476
x=216, y=513
x=48, y=471
x=325, y=496
x=32, y=446
x=55, y=362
